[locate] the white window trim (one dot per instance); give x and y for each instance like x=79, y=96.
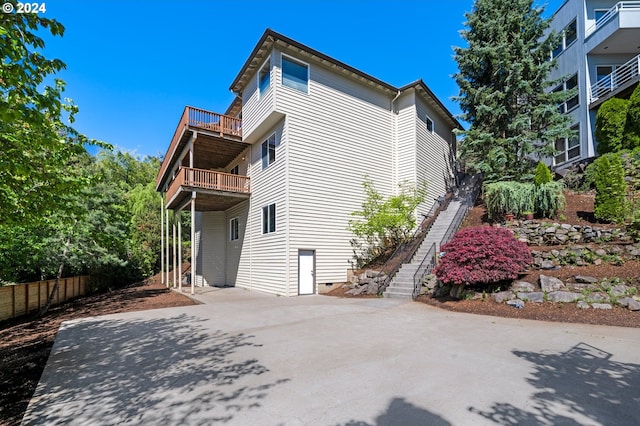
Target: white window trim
x=267, y=61
x=566, y=150
x=275, y=144
x=262, y=217
x=563, y=41
x=293, y=59
x=433, y=124
x=231, y=229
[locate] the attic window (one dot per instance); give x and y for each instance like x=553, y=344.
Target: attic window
x=430, y=126
x=264, y=76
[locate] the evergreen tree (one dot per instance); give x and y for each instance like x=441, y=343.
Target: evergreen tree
x=503, y=80
x=631, y=138
x=611, y=189
x=610, y=125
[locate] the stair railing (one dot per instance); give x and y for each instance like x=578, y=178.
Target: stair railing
x=429, y=262
x=405, y=251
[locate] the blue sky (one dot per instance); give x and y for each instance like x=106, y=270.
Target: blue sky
x=133, y=65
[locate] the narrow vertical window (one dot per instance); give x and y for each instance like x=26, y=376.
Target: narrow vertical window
x=264, y=76
x=430, y=126
x=269, y=151
x=269, y=219
x=234, y=170
x=295, y=75
x=234, y=229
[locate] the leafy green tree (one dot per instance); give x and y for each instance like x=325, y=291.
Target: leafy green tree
x=610, y=125
x=503, y=89
x=631, y=138
x=383, y=223
x=611, y=189
x=143, y=204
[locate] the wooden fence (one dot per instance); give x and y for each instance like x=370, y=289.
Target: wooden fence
x=21, y=299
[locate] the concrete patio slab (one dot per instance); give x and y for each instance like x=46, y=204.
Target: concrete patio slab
x=248, y=358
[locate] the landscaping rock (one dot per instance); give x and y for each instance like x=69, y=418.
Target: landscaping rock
x=457, y=291
x=548, y=284
x=563, y=296
x=634, y=305
x=534, y=296
x=618, y=290
x=597, y=297
x=582, y=304
x=372, y=288
x=501, y=296
x=601, y=306
x=547, y=264
x=625, y=301
x=516, y=303
x=356, y=291
x=585, y=279
x=522, y=286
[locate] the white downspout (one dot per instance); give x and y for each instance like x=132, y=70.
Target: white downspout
x=394, y=144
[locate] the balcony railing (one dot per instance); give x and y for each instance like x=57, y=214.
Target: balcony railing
x=224, y=125
x=208, y=180
x=623, y=5
x=618, y=78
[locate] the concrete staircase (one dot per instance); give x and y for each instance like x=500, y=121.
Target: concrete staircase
x=401, y=285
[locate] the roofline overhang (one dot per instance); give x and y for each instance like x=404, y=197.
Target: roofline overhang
x=421, y=85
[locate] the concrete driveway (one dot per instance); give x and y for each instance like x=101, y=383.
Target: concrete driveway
x=248, y=358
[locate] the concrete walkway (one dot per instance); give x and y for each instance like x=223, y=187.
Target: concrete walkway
x=245, y=358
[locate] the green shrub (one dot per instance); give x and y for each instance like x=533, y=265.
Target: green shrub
x=610, y=125
x=545, y=200
x=631, y=138
x=548, y=199
x=543, y=174
x=610, y=202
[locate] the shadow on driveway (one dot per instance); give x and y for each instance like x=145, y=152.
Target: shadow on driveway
x=160, y=371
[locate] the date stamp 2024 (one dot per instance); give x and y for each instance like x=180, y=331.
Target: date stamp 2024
x=24, y=7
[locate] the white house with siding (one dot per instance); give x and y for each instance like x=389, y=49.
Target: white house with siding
x=271, y=184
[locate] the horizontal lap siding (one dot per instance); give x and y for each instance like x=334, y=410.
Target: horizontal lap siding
x=337, y=134
x=213, y=248
x=433, y=155
x=256, y=106
x=267, y=263
x=237, y=261
x=406, y=138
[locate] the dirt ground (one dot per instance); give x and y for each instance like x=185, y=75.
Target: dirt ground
x=25, y=343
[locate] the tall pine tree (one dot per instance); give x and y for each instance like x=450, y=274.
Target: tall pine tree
x=504, y=89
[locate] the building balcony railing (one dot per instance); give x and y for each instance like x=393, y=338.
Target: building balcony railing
x=221, y=125
x=620, y=6
x=621, y=77
x=189, y=179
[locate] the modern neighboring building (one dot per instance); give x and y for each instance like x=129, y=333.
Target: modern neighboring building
x=271, y=184
x=600, y=55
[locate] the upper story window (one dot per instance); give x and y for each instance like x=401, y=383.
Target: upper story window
x=295, y=74
x=567, y=37
x=234, y=229
x=264, y=76
x=430, y=125
x=234, y=170
x=571, y=103
x=568, y=148
x=269, y=219
x=269, y=151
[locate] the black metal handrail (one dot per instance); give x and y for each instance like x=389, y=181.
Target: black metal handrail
x=425, y=268
x=395, y=261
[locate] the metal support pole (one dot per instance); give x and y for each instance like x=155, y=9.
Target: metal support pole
x=180, y=250
x=175, y=251
x=193, y=244
x=167, y=245
x=162, y=277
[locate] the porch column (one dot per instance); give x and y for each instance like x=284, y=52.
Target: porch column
x=167, y=245
x=180, y=249
x=175, y=251
x=193, y=245
x=162, y=277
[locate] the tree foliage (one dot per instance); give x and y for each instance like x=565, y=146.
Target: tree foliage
x=611, y=189
x=383, y=223
x=543, y=174
x=503, y=80
x=632, y=125
x=544, y=200
x=610, y=125
x=482, y=255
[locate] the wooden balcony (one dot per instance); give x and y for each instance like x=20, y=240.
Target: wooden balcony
x=216, y=138
x=215, y=190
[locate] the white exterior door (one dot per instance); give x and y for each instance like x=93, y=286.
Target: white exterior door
x=306, y=273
